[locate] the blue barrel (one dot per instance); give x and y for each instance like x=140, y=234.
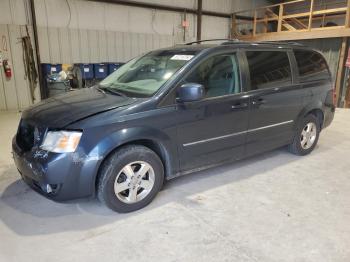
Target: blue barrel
x=100, y=71
x=113, y=67
x=49, y=69
x=87, y=71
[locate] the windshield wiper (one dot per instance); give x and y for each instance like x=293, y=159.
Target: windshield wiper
x=112, y=91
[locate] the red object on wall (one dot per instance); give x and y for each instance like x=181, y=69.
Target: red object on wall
x=185, y=23
x=347, y=64
x=7, y=68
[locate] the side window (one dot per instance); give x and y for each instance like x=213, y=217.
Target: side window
x=218, y=74
x=269, y=69
x=312, y=66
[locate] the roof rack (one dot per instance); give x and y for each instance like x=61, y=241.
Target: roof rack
x=210, y=40
x=280, y=43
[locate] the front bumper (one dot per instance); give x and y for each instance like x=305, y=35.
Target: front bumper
x=56, y=176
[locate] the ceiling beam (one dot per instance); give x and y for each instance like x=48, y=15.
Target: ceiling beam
x=324, y=32
x=163, y=7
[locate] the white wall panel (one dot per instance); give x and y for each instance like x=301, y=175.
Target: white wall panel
x=54, y=45
x=72, y=31
x=102, y=41
x=44, y=44
x=111, y=47
x=65, y=45
x=84, y=49
x=9, y=85
x=75, y=45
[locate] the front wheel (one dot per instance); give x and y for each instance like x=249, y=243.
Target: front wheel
x=306, y=136
x=130, y=178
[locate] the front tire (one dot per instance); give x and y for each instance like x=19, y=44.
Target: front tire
x=130, y=178
x=306, y=136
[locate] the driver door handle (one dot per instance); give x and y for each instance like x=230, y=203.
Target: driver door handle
x=259, y=102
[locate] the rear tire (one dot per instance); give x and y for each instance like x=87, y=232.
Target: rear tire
x=130, y=178
x=306, y=136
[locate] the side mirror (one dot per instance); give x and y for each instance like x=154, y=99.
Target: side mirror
x=190, y=92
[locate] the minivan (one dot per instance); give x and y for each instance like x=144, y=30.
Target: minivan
x=171, y=112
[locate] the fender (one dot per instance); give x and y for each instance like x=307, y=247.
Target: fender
x=100, y=151
x=308, y=108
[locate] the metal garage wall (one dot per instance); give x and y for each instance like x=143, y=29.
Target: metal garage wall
x=72, y=31
x=14, y=92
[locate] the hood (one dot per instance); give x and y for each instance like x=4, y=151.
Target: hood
x=61, y=110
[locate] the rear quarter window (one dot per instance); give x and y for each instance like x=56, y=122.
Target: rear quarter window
x=311, y=66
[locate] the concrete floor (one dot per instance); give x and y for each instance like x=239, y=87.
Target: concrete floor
x=273, y=207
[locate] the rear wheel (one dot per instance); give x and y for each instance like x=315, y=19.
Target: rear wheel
x=130, y=178
x=306, y=136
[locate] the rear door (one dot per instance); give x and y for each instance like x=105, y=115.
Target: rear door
x=275, y=99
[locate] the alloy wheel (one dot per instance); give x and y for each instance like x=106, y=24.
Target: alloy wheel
x=134, y=182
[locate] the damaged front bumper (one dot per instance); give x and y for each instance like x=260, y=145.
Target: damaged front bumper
x=55, y=175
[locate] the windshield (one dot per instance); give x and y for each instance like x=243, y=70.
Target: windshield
x=143, y=76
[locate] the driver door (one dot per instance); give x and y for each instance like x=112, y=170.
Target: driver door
x=213, y=130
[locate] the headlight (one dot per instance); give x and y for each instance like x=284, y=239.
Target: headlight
x=61, y=141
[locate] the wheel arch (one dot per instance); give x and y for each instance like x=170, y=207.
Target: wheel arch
x=152, y=143
x=314, y=109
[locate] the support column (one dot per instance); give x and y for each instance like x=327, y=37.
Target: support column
x=43, y=91
x=199, y=19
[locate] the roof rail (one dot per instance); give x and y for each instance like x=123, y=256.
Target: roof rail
x=210, y=40
x=280, y=43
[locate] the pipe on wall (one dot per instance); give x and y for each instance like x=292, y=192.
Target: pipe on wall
x=199, y=19
x=43, y=91
x=163, y=7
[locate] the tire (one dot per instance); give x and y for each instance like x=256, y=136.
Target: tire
x=300, y=146
x=121, y=184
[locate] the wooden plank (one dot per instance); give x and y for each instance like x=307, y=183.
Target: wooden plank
x=340, y=69
x=288, y=26
x=301, y=24
x=347, y=18
x=254, y=23
x=326, y=32
x=264, y=20
x=280, y=15
x=311, y=14
x=319, y=12
x=269, y=6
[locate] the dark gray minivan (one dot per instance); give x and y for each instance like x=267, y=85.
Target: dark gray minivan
x=171, y=112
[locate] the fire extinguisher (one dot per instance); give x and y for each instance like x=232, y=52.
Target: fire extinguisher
x=7, y=68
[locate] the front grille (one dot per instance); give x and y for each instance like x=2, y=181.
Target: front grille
x=25, y=136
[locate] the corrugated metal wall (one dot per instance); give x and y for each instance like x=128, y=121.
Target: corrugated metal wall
x=72, y=31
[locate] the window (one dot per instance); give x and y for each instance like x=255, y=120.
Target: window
x=269, y=69
x=218, y=74
x=312, y=66
x=143, y=76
